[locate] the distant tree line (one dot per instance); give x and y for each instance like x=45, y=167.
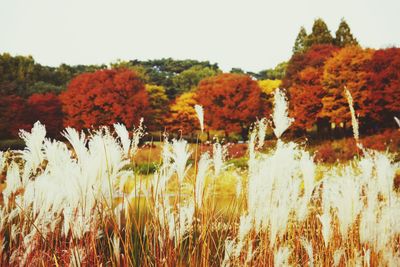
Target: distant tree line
x=165, y=91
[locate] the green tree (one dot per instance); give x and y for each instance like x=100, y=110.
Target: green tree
x=237, y=70
x=43, y=87
x=158, y=100
x=344, y=37
x=188, y=79
x=16, y=73
x=162, y=71
x=277, y=73
x=139, y=69
x=320, y=34
x=300, y=43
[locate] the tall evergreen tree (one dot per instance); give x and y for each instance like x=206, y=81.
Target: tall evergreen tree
x=344, y=37
x=320, y=34
x=300, y=43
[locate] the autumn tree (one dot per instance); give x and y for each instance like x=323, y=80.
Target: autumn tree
x=12, y=115
x=306, y=99
x=46, y=108
x=314, y=57
x=344, y=37
x=268, y=87
x=300, y=42
x=103, y=98
x=304, y=83
x=231, y=102
x=158, y=101
x=183, y=119
x=384, y=85
x=347, y=68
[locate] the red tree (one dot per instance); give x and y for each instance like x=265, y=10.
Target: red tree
x=12, y=115
x=46, y=108
x=314, y=57
x=103, y=98
x=304, y=82
x=231, y=102
x=384, y=85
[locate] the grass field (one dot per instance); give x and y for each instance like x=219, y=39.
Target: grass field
x=103, y=201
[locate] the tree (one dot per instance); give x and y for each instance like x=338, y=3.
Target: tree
x=188, y=79
x=12, y=115
x=231, y=102
x=237, y=70
x=320, y=34
x=139, y=69
x=158, y=100
x=277, y=73
x=314, y=57
x=268, y=87
x=162, y=71
x=103, y=98
x=306, y=98
x=183, y=118
x=384, y=85
x=344, y=37
x=43, y=87
x=18, y=70
x=300, y=43
x=46, y=108
x=347, y=68
x=304, y=82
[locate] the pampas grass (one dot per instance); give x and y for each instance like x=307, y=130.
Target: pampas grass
x=78, y=203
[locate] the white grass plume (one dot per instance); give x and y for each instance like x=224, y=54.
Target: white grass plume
x=280, y=114
x=325, y=220
x=218, y=158
x=397, y=121
x=309, y=249
x=281, y=257
x=337, y=256
x=200, y=115
x=261, y=127
x=202, y=169
x=2, y=160
x=33, y=153
x=123, y=135
x=354, y=121
x=180, y=153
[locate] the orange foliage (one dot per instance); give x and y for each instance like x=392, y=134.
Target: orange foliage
x=346, y=69
x=183, y=116
x=103, y=98
x=314, y=57
x=231, y=102
x=304, y=77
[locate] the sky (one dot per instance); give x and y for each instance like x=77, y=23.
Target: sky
x=248, y=34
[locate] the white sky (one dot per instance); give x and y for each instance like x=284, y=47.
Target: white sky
x=252, y=35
